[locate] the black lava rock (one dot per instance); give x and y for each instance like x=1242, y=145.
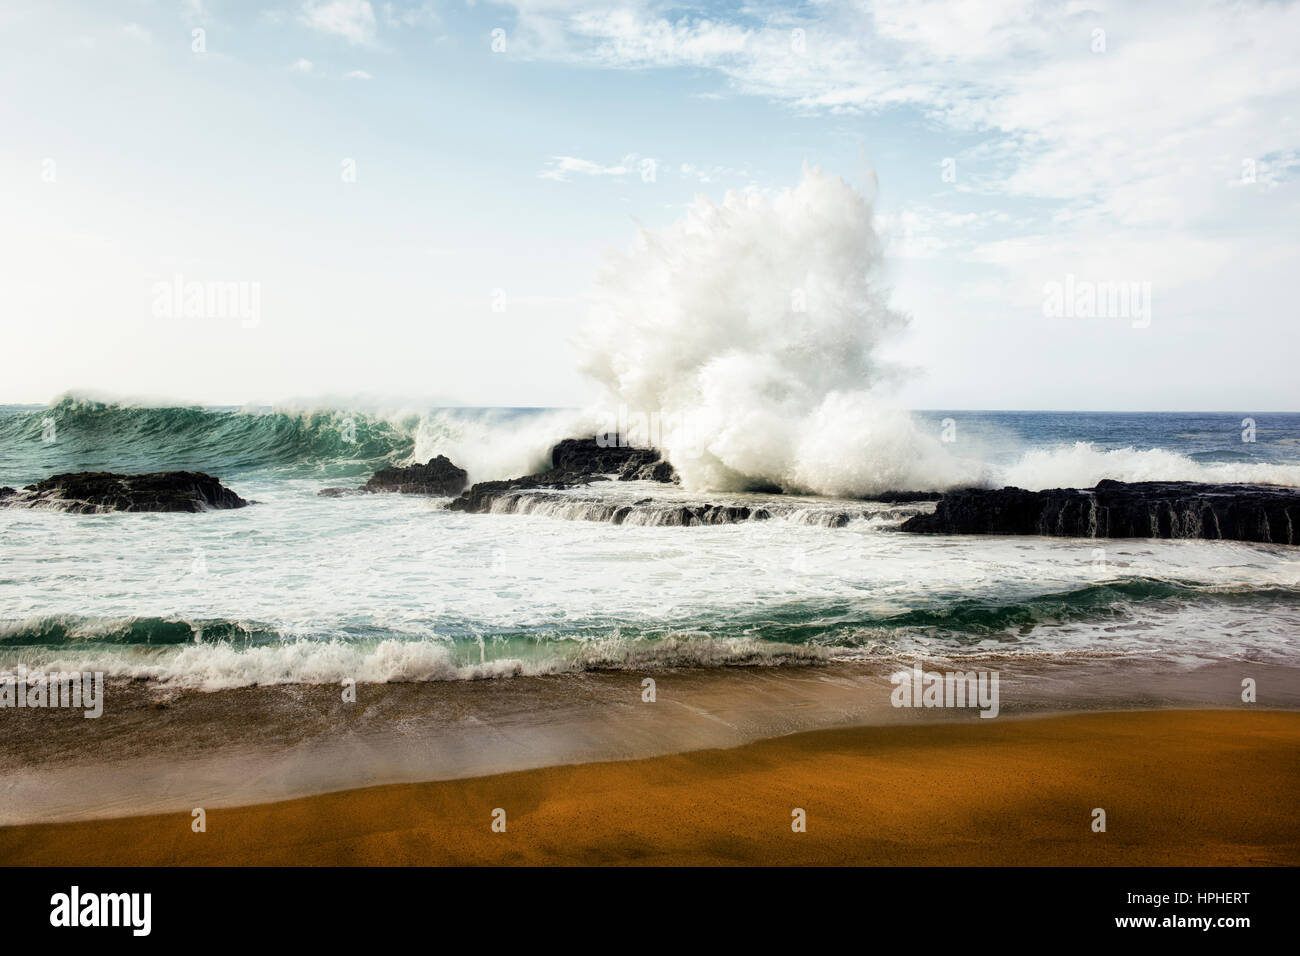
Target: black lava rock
x=96, y=492
x=586, y=456
x=905, y=497
x=1116, y=509
x=437, y=476
x=574, y=461
x=478, y=499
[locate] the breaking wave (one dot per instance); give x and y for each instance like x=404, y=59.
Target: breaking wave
x=1083, y=464
x=79, y=434
x=211, y=655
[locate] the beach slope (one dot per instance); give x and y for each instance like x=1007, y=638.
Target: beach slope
x=1177, y=788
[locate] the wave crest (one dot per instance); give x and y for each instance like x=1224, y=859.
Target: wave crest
x=1083, y=464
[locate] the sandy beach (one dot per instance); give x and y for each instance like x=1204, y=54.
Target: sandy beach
x=1178, y=788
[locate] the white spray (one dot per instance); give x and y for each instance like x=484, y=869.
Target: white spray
x=754, y=327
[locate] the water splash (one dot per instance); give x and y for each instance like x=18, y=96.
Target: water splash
x=755, y=326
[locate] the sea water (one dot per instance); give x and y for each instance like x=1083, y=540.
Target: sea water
x=299, y=588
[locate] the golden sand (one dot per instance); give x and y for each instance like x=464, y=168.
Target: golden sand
x=1178, y=787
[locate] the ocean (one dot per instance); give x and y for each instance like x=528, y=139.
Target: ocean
x=303, y=589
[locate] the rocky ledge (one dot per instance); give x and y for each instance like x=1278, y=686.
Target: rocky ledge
x=98, y=492
x=645, y=511
x=574, y=461
x=438, y=476
x=1116, y=509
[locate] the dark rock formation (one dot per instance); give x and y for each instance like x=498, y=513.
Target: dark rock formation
x=437, y=476
x=504, y=497
x=720, y=514
x=660, y=471
x=905, y=497
x=95, y=492
x=586, y=457
x=1116, y=509
x=478, y=499
x=574, y=461
x=685, y=516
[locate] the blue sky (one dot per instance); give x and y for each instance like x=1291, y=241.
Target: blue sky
x=1161, y=150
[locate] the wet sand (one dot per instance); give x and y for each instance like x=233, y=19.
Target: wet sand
x=1178, y=788
x=158, y=750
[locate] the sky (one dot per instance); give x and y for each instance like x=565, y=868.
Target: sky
x=411, y=200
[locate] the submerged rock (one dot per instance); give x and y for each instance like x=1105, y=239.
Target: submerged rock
x=96, y=492
x=341, y=492
x=1116, y=509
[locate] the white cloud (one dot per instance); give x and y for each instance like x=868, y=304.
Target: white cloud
x=414, y=16
x=1173, y=95
x=357, y=75
x=1138, y=142
x=354, y=20
x=301, y=66
x=647, y=168
x=707, y=173
x=136, y=32
x=564, y=168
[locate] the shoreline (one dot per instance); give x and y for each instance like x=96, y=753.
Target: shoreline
x=160, y=750
x=1180, y=787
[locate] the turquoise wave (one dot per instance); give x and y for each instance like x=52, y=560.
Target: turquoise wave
x=80, y=435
